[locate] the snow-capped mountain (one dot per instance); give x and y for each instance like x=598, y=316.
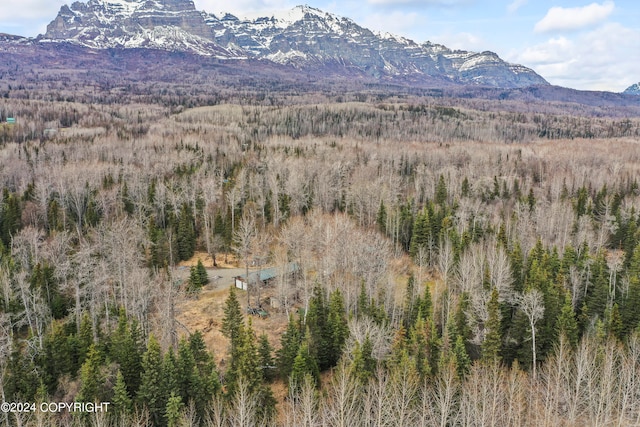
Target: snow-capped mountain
x=308, y=37
x=634, y=89
x=156, y=24
x=305, y=38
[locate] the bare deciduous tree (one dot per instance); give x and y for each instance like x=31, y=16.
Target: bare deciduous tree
x=532, y=305
x=243, y=238
x=342, y=405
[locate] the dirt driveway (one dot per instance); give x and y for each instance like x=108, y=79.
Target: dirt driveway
x=219, y=278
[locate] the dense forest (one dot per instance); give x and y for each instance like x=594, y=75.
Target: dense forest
x=459, y=262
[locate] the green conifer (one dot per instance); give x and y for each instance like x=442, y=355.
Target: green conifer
x=122, y=403
x=233, y=321
x=304, y=364
x=92, y=378
x=493, y=340
x=173, y=410
x=265, y=353
x=567, y=323
x=337, y=328
x=150, y=393
x=289, y=346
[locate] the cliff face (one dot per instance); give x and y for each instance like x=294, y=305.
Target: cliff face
x=305, y=38
x=126, y=15
x=172, y=24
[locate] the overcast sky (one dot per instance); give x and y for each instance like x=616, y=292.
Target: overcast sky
x=572, y=43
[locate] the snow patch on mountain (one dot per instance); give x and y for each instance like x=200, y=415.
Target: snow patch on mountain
x=304, y=37
x=634, y=89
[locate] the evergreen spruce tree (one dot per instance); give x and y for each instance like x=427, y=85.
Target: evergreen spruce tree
x=57, y=357
x=441, y=192
x=150, y=393
x=43, y=279
x=21, y=382
x=244, y=362
x=201, y=355
x=127, y=203
x=186, y=233
x=233, y=321
x=381, y=218
x=567, y=323
x=122, y=403
x=492, y=341
x=194, y=284
x=54, y=216
x=614, y=322
x=425, y=304
x=198, y=379
x=185, y=366
x=202, y=273
x=10, y=217
x=92, y=378
x=304, y=364
x=171, y=376
x=517, y=267
x=267, y=364
x=419, y=347
x=531, y=200
x=363, y=364
x=337, y=328
x=289, y=346
x=463, y=361
x=363, y=306
x=629, y=306
x=126, y=350
x=410, y=309
x=460, y=325
x=85, y=338
x=317, y=324
x=420, y=233
x=173, y=410
x=399, y=347
x=465, y=189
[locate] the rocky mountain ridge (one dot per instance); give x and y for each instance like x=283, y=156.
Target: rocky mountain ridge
x=634, y=89
x=304, y=38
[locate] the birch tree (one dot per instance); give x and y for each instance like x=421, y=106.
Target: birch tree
x=532, y=305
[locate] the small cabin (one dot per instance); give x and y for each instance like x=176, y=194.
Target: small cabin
x=264, y=276
x=11, y=120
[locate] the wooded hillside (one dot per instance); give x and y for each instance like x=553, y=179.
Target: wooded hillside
x=460, y=262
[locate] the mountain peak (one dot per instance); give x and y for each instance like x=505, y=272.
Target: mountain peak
x=304, y=13
x=634, y=89
x=158, y=24
x=304, y=37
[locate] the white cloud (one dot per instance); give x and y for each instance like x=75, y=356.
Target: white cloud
x=462, y=41
x=574, y=18
x=396, y=22
x=602, y=59
x=553, y=51
x=515, y=5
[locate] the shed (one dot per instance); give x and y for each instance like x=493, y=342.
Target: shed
x=264, y=275
x=11, y=120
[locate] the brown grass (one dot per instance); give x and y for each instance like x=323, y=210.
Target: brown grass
x=207, y=260
x=205, y=313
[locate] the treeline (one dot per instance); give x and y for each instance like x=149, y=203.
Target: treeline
x=427, y=271
x=398, y=122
